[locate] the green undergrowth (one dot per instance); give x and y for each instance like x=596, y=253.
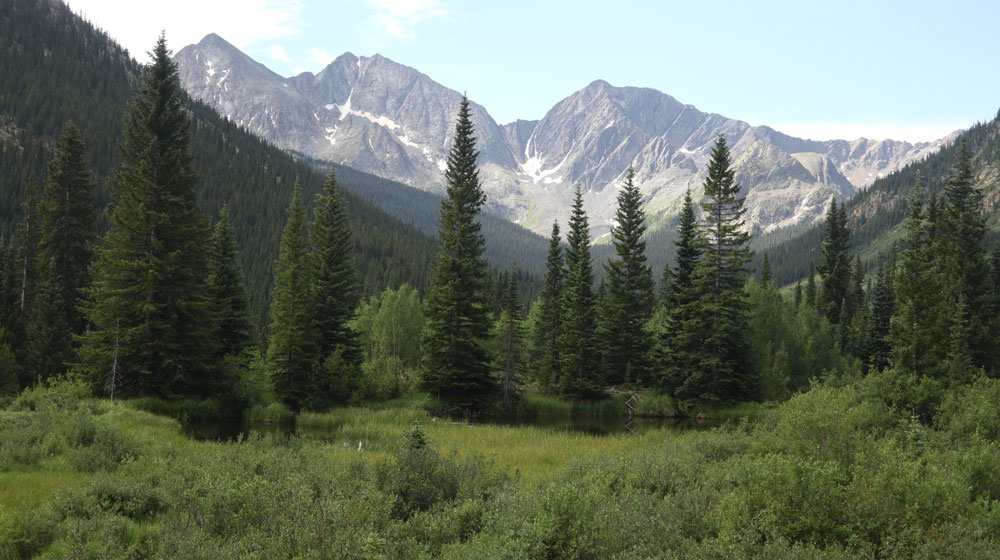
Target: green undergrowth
x=836, y=472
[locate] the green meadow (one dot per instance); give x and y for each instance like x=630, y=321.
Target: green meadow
x=835, y=472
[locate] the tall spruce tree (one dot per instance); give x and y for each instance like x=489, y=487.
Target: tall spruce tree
x=22, y=277
x=337, y=295
x=962, y=260
x=28, y=234
x=835, y=268
x=455, y=363
x=722, y=373
x=545, y=336
x=877, y=349
x=580, y=373
x=147, y=301
x=765, y=272
x=917, y=329
x=509, y=334
x=293, y=349
x=630, y=292
x=675, y=349
x=67, y=232
x=811, y=286
x=227, y=291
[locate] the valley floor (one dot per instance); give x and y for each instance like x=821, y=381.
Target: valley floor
x=833, y=473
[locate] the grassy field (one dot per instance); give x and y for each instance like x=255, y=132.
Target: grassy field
x=837, y=472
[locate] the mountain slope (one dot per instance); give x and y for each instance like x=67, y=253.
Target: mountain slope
x=381, y=117
x=55, y=67
x=875, y=215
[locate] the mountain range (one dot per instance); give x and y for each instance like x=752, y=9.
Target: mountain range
x=378, y=116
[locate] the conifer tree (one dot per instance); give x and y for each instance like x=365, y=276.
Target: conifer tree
x=67, y=232
x=963, y=262
x=147, y=301
x=580, y=373
x=852, y=313
x=455, y=364
x=22, y=277
x=798, y=293
x=292, y=352
x=675, y=347
x=958, y=367
x=509, y=334
x=227, y=291
x=28, y=234
x=9, y=383
x=630, y=292
x=765, y=272
x=811, y=287
x=877, y=350
x=337, y=295
x=917, y=329
x=722, y=373
x=689, y=252
x=666, y=286
x=545, y=336
x=49, y=336
x=836, y=266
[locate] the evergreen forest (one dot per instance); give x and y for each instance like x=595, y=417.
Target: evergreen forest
x=409, y=377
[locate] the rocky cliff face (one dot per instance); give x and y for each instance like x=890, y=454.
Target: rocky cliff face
x=391, y=120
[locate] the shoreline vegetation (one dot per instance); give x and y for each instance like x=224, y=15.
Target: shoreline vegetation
x=835, y=472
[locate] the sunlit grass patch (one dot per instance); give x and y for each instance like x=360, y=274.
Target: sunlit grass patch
x=27, y=490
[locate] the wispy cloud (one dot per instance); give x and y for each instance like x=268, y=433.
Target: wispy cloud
x=320, y=57
x=241, y=22
x=399, y=18
x=277, y=52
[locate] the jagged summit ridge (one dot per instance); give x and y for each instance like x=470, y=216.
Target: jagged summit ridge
x=385, y=118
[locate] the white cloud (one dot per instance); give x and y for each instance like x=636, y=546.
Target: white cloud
x=398, y=18
x=277, y=52
x=320, y=57
x=874, y=131
x=136, y=25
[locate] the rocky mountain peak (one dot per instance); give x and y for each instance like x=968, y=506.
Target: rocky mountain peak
x=386, y=118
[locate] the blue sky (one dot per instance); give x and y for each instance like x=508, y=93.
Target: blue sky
x=836, y=69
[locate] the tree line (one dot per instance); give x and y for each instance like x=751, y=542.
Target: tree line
x=158, y=306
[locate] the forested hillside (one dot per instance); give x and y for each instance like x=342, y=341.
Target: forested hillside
x=507, y=244
x=54, y=67
x=875, y=215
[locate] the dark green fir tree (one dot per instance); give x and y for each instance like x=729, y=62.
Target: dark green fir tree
x=292, y=351
x=509, y=335
x=581, y=372
x=630, y=299
x=810, y=293
x=722, y=373
x=227, y=291
x=147, y=304
x=765, y=272
x=545, y=336
x=337, y=295
x=963, y=263
x=675, y=347
x=883, y=305
x=835, y=268
x=456, y=364
x=918, y=329
x=68, y=231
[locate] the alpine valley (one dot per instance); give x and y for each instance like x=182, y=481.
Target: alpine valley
x=384, y=118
